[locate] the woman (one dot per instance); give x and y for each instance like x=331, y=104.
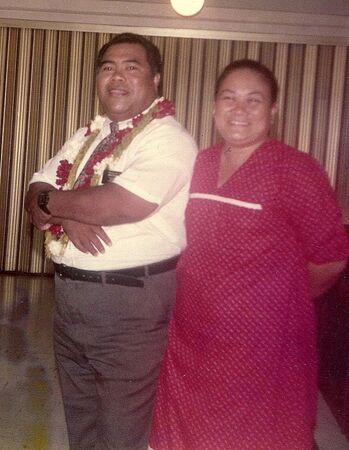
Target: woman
x=264, y=238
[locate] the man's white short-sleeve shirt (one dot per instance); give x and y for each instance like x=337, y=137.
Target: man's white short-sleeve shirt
x=157, y=167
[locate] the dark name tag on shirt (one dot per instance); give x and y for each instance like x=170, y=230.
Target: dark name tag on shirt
x=109, y=175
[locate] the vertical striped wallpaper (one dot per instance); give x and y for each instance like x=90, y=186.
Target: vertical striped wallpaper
x=47, y=91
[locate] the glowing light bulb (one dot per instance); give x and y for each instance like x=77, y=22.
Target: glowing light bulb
x=187, y=7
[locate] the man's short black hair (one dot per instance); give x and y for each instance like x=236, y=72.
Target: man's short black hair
x=151, y=50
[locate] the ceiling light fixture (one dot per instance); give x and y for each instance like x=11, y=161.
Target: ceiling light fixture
x=187, y=7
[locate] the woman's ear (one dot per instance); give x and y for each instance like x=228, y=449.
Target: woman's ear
x=274, y=111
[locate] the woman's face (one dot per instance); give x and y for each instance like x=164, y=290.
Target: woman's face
x=243, y=109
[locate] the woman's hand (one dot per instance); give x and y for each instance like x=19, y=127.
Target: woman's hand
x=323, y=276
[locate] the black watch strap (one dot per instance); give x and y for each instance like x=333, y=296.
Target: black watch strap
x=43, y=199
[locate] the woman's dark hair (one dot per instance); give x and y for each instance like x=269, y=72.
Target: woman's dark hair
x=152, y=52
x=257, y=67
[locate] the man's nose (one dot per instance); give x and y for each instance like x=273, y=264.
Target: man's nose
x=118, y=74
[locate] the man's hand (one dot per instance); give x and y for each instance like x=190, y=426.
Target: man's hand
x=38, y=217
x=86, y=238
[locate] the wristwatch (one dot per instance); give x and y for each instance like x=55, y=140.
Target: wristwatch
x=43, y=199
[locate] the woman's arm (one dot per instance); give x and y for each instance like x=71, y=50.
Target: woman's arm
x=323, y=276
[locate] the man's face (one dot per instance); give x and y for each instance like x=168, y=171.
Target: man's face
x=125, y=83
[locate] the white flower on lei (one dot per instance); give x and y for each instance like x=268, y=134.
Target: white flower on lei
x=55, y=248
x=113, y=164
x=74, y=145
x=73, y=148
x=97, y=123
x=100, y=167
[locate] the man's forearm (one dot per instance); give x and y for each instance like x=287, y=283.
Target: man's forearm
x=104, y=205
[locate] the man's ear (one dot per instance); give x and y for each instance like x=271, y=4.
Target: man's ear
x=157, y=79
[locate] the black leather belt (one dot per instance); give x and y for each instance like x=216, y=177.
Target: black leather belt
x=125, y=277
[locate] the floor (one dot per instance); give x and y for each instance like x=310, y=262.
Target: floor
x=31, y=414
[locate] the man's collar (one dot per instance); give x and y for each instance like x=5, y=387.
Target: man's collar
x=126, y=123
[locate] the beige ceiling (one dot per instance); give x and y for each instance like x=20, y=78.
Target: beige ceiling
x=292, y=21
x=337, y=7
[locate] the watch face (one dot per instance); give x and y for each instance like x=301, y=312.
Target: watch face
x=43, y=199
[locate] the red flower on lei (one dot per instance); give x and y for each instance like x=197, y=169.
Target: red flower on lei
x=63, y=172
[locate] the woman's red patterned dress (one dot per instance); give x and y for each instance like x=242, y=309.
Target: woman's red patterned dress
x=240, y=369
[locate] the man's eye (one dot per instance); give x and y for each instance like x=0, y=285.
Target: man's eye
x=106, y=68
x=131, y=67
x=254, y=100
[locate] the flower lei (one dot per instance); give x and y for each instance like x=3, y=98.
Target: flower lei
x=56, y=239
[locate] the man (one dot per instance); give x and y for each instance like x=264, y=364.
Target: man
x=113, y=203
